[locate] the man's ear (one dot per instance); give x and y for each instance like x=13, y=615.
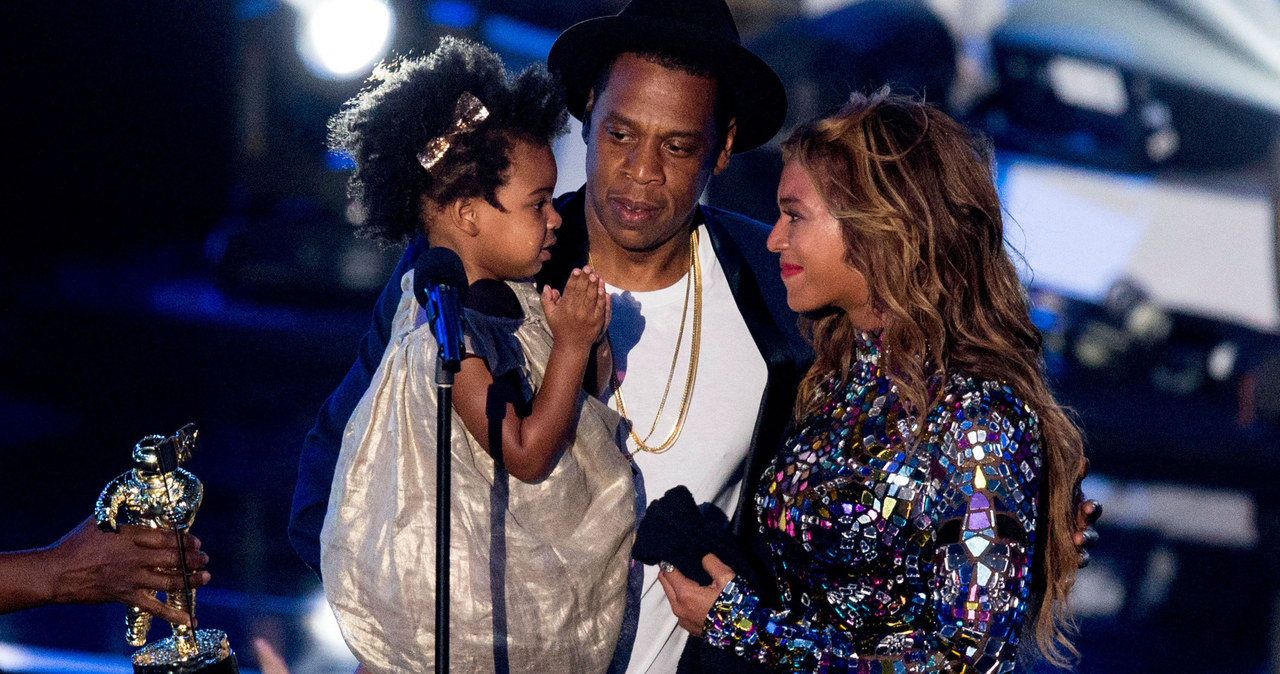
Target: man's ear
x=722, y=160
x=586, y=114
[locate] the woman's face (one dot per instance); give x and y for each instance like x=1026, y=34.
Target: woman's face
x=514, y=241
x=812, y=251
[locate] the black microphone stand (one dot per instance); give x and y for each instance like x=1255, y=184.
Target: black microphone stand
x=439, y=284
x=448, y=324
x=444, y=490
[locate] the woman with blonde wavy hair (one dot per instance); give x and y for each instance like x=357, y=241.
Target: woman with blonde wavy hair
x=922, y=507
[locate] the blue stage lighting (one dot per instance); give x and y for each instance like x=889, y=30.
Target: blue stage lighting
x=453, y=13
x=515, y=36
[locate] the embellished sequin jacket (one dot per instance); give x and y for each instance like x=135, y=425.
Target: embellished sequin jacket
x=898, y=547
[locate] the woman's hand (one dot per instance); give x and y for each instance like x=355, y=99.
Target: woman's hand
x=1087, y=513
x=691, y=602
x=578, y=315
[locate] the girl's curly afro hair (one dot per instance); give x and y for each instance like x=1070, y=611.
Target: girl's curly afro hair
x=408, y=101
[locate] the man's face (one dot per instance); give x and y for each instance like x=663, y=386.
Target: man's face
x=651, y=148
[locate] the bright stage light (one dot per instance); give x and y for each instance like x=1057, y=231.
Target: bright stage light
x=342, y=38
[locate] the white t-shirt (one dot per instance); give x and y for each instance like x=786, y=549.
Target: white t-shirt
x=710, y=455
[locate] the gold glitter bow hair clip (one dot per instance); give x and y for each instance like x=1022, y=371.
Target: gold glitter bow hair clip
x=467, y=115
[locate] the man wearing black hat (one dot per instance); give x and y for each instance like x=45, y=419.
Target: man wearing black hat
x=707, y=352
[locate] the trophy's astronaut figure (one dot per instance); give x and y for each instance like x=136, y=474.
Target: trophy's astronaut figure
x=156, y=493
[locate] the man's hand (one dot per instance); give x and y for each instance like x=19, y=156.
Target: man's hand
x=1087, y=513
x=89, y=566
x=691, y=602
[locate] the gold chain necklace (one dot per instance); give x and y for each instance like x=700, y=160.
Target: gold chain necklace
x=695, y=279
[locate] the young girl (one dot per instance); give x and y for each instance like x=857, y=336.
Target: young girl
x=451, y=147
x=922, y=508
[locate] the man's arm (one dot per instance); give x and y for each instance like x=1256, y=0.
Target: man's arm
x=88, y=566
x=320, y=449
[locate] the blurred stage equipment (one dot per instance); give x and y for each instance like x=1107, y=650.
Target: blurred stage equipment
x=296, y=251
x=1258, y=392
x=342, y=39
x=860, y=47
x=1134, y=84
x=157, y=493
x=821, y=60
x=1136, y=337
x=1049, y=313
x=1130, y=306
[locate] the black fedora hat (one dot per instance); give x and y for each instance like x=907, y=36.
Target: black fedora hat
x=703, y=30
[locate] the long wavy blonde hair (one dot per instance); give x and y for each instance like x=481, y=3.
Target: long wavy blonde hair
x=913, y=192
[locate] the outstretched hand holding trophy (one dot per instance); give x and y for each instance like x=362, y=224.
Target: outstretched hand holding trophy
x=158, y=494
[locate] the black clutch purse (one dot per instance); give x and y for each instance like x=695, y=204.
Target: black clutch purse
x=676, y=530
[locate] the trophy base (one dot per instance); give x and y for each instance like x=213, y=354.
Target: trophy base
x=161, y=657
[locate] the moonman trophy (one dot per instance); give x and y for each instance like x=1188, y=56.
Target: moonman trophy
x=157, y=493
